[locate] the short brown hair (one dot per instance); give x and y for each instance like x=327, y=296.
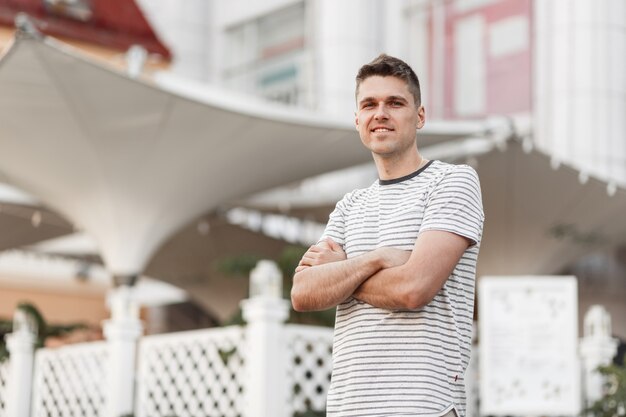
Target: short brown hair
x=387, y=66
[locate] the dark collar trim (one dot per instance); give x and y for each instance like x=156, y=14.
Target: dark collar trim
x=406, y=177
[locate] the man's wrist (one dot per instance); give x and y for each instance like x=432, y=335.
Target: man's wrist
x=375, y=260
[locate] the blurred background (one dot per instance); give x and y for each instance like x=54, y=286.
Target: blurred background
x=170, y=145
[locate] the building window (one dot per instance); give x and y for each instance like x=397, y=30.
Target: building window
x=469, y=69
x=73, y=9
x=266, y=55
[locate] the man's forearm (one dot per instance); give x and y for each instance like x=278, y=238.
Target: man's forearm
x=389, y=288
x=415, y=283
x=324, y=286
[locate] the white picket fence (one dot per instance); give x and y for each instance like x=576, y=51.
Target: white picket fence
x=69, y=381
x=4, y=376
x=196, y=373
x=310, y=366
x=186, y=374
x=265, y=368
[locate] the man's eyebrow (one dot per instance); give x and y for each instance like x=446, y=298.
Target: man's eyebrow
x=390, y=98
x=366, y=99
x=397, y=98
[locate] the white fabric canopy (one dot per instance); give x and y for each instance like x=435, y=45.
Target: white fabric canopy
x=131, y=162
x=539, y=219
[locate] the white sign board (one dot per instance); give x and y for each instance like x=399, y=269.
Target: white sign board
x=528, y=331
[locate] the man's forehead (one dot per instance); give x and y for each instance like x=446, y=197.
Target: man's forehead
x=383, y=87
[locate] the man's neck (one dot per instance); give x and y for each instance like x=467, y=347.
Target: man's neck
x=390, y=168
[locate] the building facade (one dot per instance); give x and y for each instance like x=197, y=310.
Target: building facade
x=558, y=65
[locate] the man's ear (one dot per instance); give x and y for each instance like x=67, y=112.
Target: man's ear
x=356, y=121
x=421, y=117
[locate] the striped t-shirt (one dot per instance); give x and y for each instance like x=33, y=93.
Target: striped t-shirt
x=406, y=362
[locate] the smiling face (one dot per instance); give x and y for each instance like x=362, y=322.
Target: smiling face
x=387, y=117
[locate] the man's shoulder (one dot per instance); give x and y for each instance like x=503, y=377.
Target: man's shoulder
x=350, y=203
x=359, y=194
x=444, y=170
x=448, y=167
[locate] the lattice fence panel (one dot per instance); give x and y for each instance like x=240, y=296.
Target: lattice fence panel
x=192, y=374
x=310, y=356
x=4, y=376
x=70, y=381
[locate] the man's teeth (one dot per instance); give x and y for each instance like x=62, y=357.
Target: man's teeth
x=382, y=130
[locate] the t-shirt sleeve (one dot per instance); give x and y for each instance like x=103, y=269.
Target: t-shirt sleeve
x=455, y=205
x=335, y=227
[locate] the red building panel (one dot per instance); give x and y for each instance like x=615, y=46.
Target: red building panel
x=508, y=87
x=116, y=24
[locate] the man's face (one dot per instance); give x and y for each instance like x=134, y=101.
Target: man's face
x=386, y=116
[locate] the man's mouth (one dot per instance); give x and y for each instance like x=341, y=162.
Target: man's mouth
x=382, y=129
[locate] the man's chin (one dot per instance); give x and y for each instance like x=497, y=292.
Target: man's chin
x=383, y=152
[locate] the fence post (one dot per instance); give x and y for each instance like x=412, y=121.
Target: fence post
x=121, y=332
x=597, y=348
x=266, y=392
x=21, y=345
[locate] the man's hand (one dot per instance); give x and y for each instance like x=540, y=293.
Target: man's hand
x=392, y=257
x=325, y=278
x=324, y=252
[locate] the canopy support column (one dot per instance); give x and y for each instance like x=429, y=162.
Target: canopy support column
x=122, y=332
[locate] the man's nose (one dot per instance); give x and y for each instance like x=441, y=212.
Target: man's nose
x=381, y=112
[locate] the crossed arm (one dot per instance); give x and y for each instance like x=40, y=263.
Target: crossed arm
x=386, y=277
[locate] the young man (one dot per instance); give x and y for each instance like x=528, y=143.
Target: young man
x=398, y=260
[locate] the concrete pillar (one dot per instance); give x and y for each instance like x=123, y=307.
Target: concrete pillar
x=580, y=84
x=265, y=312
x=21, y=345
x=347, y=34
x=121, y=332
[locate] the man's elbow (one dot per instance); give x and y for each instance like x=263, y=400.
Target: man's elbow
x=298, y=299
x=416, y=296
x=413, y=301
x=301, y=303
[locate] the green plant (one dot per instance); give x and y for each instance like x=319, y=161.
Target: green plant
x=239, y=266
x=613, y=403
x=5, y=328
x=44, y=330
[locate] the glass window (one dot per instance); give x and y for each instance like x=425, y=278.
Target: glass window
x=74, y=9
x=266, y=55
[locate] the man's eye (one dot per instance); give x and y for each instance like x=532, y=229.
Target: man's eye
x=396, y=103
x=368, y=105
